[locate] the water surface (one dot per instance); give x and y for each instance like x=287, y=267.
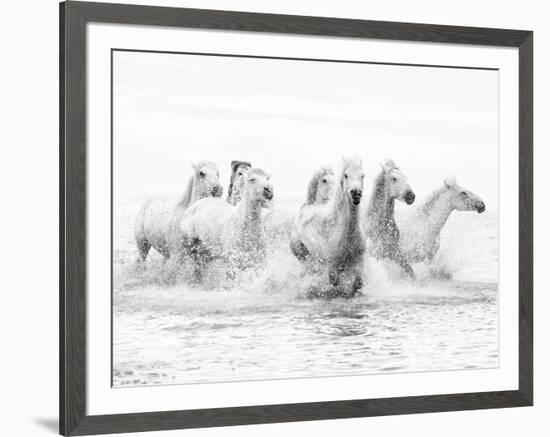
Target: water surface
x=263, y=325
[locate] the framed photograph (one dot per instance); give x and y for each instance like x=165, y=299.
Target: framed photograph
x=270, y=218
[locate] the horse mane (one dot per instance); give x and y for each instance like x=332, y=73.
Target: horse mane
x=432, y=199
x=314, y=184
x=234, y=166
x=380, y=181
x=188, y=193
x=378, y=197
x=189, y=190
x=379, y=187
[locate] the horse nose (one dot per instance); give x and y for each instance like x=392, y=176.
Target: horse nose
x=356, y=196
x=268, y=193
x=409, y=197
x=480, y=207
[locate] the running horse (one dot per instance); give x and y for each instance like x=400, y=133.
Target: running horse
x=381, y=229
x=156, y=223
x=420, y=234
x=330, y=236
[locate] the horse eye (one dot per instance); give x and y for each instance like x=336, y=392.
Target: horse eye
x=240, y=174
x=463, y=193
x=345, y=175
x=324, y=181
x=202, y=174
x=253, y=180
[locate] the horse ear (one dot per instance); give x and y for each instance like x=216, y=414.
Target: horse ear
x=450, y=181
x=385, y=167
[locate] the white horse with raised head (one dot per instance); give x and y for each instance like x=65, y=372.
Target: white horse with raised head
x=329, y=235
x=155, y=223
x=213, y=228
x=381, y=229
x=420, y=233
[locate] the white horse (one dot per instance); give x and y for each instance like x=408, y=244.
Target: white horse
x=213, y=228
x=420, y=233
x=279, y=220
x=329, y=235
x=381, y=229
x=155, y=222
x=238, y=172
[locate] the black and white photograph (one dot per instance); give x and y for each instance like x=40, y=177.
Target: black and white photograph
x=302, y=218
x=277, y=218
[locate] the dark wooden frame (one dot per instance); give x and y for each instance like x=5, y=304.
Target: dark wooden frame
x=72, y=227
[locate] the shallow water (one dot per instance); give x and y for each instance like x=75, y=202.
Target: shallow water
x=262, y=325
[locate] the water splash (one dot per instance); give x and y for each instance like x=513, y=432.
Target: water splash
x=171, y=329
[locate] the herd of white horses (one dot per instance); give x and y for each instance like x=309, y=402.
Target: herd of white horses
x=331, y=233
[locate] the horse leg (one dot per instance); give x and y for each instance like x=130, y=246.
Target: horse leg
x=299, y=250
x=333, y=276
x=143, y=247
x=200, y=257
x=433, y=250
x=405, y=266
x=179, y=252
x=357, y=285
x=165, y=254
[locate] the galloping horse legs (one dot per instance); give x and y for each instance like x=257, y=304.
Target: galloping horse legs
x=333, y=277
x=357, y=284
x=405, y=266
x=197, y=254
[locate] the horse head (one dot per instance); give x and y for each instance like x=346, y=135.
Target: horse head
x=351, y=178
x=321, y=186
x=396, y=183
x=462, y=199
x=238, y=171
x=257, y=186
x=206, y=180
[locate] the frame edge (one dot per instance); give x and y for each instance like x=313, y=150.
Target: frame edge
x=72, y=210
x=62, y=385
x=296, y=24
x=525, y=152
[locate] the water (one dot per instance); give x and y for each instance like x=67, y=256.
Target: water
x=263, y=325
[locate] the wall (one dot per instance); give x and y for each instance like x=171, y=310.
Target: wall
x=29, y=181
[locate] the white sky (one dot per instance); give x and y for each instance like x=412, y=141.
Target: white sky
x=290, y=117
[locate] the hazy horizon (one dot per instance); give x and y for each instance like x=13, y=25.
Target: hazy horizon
x=290, y=117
